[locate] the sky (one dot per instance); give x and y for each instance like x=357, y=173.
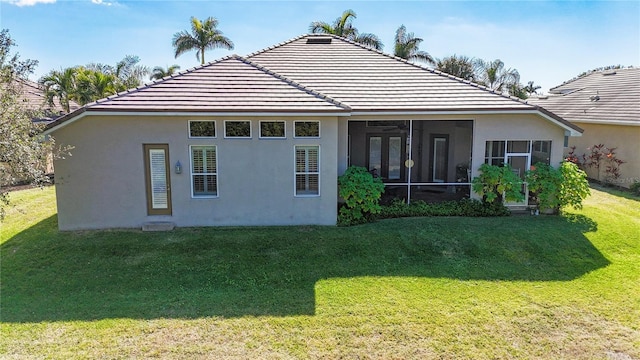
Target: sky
x=548, y=42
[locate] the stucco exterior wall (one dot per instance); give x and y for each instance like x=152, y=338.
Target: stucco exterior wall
x=626, y=140
x=102, y=185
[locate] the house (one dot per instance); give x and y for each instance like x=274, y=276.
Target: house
x=606, y=104
x=261, y=139
x=32, y=99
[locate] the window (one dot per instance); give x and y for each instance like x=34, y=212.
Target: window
x=202, y=129
x=306, y=129
x=541, y=152
x=272, y=129
x=494, y=153
x=204, y=171
x=237, y=129
x=307, y=171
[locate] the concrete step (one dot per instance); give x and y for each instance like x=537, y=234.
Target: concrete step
x=158, y=226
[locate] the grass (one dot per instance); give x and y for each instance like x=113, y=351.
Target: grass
x=516, y=287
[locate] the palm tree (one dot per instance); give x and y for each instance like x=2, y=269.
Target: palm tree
x=159, y=72
x=129, y=73
x=92, y=85
x=343, y=27
x=407, y=47
x=531, y=88
x=460, y=66
x=495, y=76
x=204, y=35
x=60, y=84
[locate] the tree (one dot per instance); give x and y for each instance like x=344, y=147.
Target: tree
x=129, y=73
x=495, y=76
x=84, y=84
x=406, y=47
x=23, y=152
x=92, y=85
x=159, y=72
x=204, y=35
x=531, y=88
x=343, y=27
x=60, y=84
x=459, y=66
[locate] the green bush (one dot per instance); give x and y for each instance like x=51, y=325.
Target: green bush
x=361, y=193
x=464, y=207
x=497, y=183
x=544, y=181
x=575, y=186
x=555, y=188
x=635, y=187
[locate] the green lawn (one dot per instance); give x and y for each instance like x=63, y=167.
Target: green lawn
x=516, y=287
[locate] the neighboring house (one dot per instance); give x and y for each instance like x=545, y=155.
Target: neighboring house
x=261, y=139
x=33, y=99
x=606, y=104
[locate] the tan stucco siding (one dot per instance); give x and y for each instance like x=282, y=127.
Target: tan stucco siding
x=626, y=140
x=102, y=185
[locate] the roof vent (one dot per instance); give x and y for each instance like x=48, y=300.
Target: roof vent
x=606, y=73
x=319, y=40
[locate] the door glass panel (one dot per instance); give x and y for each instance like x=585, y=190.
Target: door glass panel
x=395, y=157
x=158, y=171
x=519, y=165
x=375, y=154
x=439, y=159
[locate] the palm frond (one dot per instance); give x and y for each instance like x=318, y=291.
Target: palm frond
x=369, y=40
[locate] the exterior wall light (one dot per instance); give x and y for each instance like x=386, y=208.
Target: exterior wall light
x=178, y=167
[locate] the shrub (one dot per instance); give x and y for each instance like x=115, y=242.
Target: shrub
x=361, y=193
x=555, y=188
x=464, y=207
x=497, y=183
x=575, y=186
x=545, y=182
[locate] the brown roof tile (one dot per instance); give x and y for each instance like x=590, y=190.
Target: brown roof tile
x=322, y=77
x=370, y=80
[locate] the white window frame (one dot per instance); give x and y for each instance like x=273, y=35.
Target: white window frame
x=215, y=129
x=238, y=137
x=191, y=173
x=307, y=137
x=272, y=137
x=296, y=173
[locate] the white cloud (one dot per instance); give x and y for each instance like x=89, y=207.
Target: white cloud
x=29, y=2
x=102, y=2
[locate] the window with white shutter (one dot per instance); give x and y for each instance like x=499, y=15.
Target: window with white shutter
x=204, y=171
x=307, y=170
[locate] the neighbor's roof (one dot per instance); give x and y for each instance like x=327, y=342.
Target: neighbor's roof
x=321, y=74
x=607, y=97
x=33, y=98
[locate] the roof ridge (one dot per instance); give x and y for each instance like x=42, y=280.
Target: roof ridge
x=276, y=46
x=600, y=71
x=290, y=82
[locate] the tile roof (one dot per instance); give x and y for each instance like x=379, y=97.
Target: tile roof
x=32, y=96
x=230, y=84
x=312, y=74
x=369, y=80
x=611, y=96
